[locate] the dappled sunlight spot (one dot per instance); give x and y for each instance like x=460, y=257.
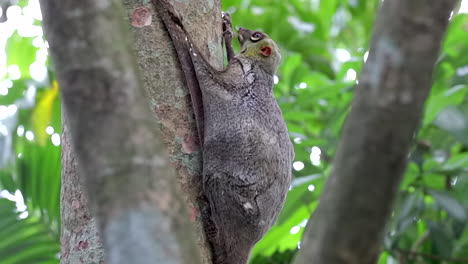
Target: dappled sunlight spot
x=29, y=135
x=311, y=188
x=4, y=86
x=14, y=14
x=23, y=23
x=24, y=215
x=20, y=205
x=49, y=130
x=11, y=109
x=7, y=195
x=275, y=79
x=42, y=54
x=256, y=10
x=300, y=25
x=28, y=29
x=6, y=83
x=22, y=20
x=29, y=97
x=3, y=90
x=20, y=130
x=38, y=71
x=303, y=85
x=463, y=7
x=351, y=75
x=38, y=42
x=55, y=139
x=298, y=165
x=314, y=5
x=322, y=102
x=3, y=112
x=17, y=197
x=303, y=223
x=294, y=230
x=33, y=10
x=297, y=140
x=462, y=71
x=3, y=130
x=14, y=72
x=20, y=155
x=339, y=21
x=315, y=155
x=342, y=55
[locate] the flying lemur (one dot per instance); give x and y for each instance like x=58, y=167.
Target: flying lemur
x=247, y=153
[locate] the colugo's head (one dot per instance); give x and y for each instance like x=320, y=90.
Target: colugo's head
x=260, y=47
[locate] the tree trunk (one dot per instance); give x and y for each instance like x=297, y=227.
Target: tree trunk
x=170, y=101
x=80, y=240
x=349, y=223
x=168, y=95
x=130, y=183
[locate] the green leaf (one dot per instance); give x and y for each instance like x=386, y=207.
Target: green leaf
x=454, y=121
x=21, y=52
x=450, y=205
x=409, y=207
x=434, y=181
x=278, y=257
x=437, y=102
x=25, y=240
x=15, y=92
x=42, y=115
x=442, y=241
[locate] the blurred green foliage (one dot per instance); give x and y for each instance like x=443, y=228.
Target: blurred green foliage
x=324, y=44
x=29, y=158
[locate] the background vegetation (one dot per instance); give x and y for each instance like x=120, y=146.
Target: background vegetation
x=324, y=46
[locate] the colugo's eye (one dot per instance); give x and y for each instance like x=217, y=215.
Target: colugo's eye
x=256, y=36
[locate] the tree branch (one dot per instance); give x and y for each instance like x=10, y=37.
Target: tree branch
x=349, y=223
x=131, y=185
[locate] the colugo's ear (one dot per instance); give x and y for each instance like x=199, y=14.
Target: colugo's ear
x=265, y=51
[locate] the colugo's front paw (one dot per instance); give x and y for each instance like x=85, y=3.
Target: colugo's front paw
x=228, y=32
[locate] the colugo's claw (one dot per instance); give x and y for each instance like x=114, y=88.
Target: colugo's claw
x=226, y=16
x=228, y=34
x=227, y=26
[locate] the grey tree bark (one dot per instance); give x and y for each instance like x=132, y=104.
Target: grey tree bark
x=349, y=223
x=128, y=177
x=80, y=239
x=169, y=99
x=167, y=93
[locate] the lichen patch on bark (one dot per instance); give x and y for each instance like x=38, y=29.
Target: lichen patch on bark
x=141, y=17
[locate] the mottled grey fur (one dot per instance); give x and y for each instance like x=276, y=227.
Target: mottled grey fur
x=247, y=156
x=247, y=152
